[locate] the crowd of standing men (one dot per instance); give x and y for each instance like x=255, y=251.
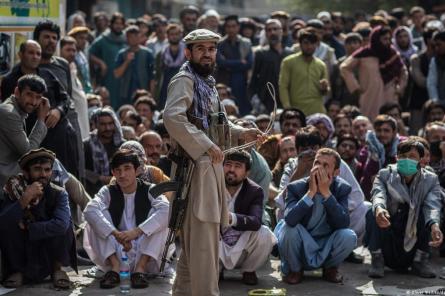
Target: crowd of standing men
x=350, y=152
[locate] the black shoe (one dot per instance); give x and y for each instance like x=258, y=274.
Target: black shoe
x=275, y=251
x=355, y=258
x=377, y=269
x=423, y=269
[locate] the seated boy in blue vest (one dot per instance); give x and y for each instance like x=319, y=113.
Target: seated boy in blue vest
x=124, y=217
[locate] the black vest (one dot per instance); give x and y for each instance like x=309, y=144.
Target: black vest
x=117, y=203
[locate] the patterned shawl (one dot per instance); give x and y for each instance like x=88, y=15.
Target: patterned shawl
x=203, y=90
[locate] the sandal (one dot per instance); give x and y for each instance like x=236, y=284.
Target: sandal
x=139, y=280
x=110, y=280
x=61, y=280
x=14, y=281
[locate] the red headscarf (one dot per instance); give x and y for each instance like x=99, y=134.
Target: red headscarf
x=391, y=64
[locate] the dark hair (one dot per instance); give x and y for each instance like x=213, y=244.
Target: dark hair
x=410, y=143
x=351, y=111
x=398, y=13
x=291, y=113
x=382, y=119
x=123, y=156
x=141, y=21
x=307, y=35
x=385, y=30
x=315, y=23
x=160, y=128
x=341, y=116
x=385, y=108
x=416, y=9
x=134, y=116
x=39, y=160
x=140, y=93
x=428, y=34
x=46, y=25
x=67, y=40
x=34, y=82
x=146, y=100
x=331, y=152
x=423, y=141
x=189, y=10
x=348, y=137
x=173, y=27
x=430, y=105
x=231, y=17
x=337, y=15
x=133, y=29
x=115, y=16
x=353, y=37
x=430, y=125
x=364, y=32
x=240, y=156
x=439, y=36
x=124, y=108
x=332, y=102
x=308, y=136
x=98, y=15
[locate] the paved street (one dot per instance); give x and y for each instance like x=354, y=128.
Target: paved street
x=356, y=283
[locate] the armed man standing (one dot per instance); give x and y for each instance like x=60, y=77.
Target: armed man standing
x=198, y=126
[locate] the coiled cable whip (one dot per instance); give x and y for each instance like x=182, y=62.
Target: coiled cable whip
x=268, y=130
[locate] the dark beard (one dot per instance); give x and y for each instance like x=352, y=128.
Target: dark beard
x=233, y=183
x=201, y=70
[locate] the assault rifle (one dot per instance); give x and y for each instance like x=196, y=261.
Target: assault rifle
x=180, y=185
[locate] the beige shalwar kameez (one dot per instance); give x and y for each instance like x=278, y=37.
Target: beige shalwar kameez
x=197, y=270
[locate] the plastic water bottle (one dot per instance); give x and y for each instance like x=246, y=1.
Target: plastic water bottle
x=124, y=275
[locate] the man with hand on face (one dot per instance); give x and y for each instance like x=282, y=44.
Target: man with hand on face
x=125, y=218
x=35, y=225
x=27, y=98
x=314, y=233
x=404, y=220
x=191, y=115
x=245, y=244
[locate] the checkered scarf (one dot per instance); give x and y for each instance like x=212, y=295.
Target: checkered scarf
x=203, y=90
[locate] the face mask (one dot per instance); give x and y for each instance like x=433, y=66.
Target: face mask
x=407, y=167
x=435, y=149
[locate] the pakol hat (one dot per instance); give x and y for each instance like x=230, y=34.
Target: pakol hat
x=201, y=35
x=33, y=154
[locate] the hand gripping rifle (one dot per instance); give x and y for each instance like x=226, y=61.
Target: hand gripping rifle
x=180, y=185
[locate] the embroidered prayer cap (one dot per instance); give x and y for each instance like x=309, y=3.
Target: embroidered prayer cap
x=201, y=35
x=76, y=30
x=37, y=153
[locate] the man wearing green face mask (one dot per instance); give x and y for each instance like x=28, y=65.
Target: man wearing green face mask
x=404, y=220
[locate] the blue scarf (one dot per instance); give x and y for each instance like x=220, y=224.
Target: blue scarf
x=203, y=90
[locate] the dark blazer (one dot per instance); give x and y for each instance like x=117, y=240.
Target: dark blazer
x=298, y=212
x=249, y=207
